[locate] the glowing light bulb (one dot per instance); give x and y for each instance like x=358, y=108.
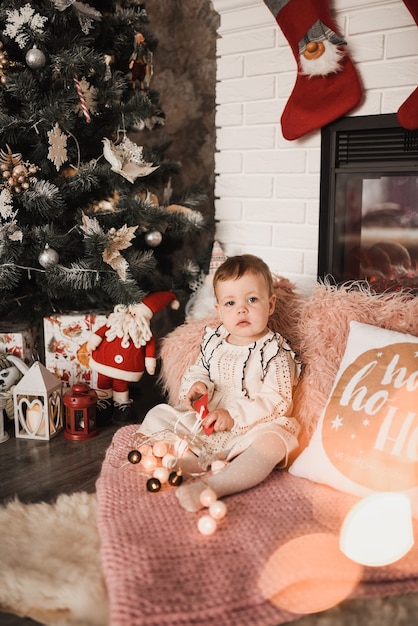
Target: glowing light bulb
x=206, y=525
x=378, y=529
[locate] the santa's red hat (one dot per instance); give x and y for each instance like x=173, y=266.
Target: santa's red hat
x=159, y=299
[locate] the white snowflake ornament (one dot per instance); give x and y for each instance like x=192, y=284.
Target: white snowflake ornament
x=19, y=21
x=57, y=147
x=6, y=204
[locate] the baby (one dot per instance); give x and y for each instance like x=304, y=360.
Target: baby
x=248, y=372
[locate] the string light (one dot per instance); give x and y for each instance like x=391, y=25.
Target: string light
x=378, y=530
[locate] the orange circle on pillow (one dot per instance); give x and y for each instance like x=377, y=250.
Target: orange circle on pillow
x=370, y=428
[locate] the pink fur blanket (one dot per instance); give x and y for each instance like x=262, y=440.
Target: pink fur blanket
x=274, y=556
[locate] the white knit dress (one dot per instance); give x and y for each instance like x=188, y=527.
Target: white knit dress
x=253, y=382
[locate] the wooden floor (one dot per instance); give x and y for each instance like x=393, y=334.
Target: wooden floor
x=38, y=471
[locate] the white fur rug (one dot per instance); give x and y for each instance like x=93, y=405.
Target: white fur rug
x=50, y=567
x=50, y=571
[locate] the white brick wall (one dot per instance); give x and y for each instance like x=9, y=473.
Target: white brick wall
x=267, y=188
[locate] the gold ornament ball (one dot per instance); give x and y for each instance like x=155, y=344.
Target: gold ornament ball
x=35, y=58
x=4, y=59
x=19, y=170
x=19, y=174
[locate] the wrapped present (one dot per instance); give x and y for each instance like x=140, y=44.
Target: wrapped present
x=23, y=340
x=65, y=353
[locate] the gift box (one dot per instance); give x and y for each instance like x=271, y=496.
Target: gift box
x=65, y=355
x=22, y=339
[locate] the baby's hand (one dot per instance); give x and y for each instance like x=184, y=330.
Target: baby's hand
x=220, y=418
x=196, y=390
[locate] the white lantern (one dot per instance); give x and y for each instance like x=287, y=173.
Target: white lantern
x=37, y=400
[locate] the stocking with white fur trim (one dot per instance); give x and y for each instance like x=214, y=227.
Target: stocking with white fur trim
x=327, y=85
x=408, y=112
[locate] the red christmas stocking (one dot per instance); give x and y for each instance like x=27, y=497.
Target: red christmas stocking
x=408, y=112
x=327, y=85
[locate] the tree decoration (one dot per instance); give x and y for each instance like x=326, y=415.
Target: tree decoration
x=126, y=159
x=109, y=60
x=6, y=203
x=140, y=63
x=21, y=21
x=153, y=238
x=11, y=231
x=120, y=239
x=83, y=104
x=35, y=58
x=85, y=13
x=57, y=152
x=48, y=257
x=4, y=64
x=90, y=95
x=17, y=174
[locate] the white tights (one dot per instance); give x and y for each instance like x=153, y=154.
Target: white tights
x=246, y=470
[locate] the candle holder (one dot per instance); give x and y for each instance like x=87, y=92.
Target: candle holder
x=80, y=412
x=37, y=400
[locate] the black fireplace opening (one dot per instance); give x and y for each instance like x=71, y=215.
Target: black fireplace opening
x=368, y=222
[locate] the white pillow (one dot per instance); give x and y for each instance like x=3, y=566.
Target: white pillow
x=366, y=439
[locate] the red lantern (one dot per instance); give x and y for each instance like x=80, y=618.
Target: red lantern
x=80, y=412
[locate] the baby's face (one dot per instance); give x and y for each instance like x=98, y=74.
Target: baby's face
x=244, y=305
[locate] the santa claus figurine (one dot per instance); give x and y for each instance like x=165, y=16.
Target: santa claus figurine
x=120, y=351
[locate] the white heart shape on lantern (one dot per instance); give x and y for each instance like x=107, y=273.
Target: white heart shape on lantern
x=33, y=422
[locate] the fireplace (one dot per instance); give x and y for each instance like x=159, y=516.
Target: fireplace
x=368, y=225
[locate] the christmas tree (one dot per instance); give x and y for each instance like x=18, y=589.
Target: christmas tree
x=88, y=217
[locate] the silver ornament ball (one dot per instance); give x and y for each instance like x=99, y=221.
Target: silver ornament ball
x=35, y=58
x=48, y=257
x=153, y=238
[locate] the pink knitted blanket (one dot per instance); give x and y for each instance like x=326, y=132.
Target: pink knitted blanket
x=268, y=561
